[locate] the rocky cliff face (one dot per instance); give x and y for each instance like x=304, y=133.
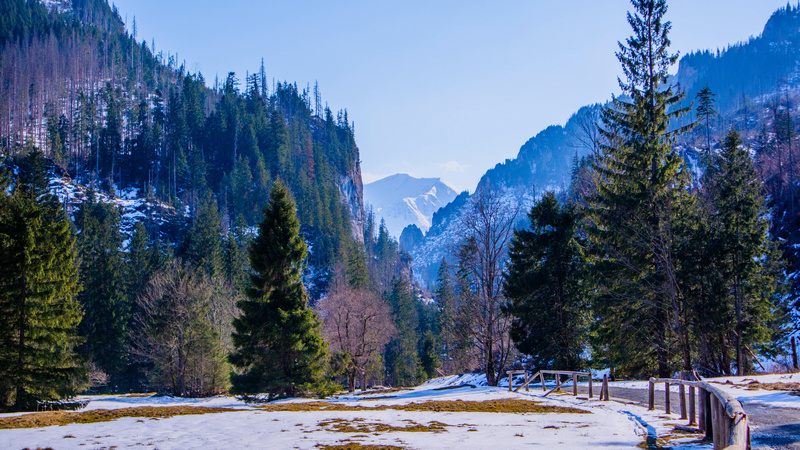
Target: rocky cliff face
x=352, y=190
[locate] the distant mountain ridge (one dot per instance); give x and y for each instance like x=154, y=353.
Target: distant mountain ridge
x=403, y=200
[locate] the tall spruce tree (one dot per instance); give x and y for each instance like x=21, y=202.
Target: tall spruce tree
x=640, y=188
x=746, y=253
x=547, y=288
x=279, y=348
x=706, y=110
x=402, y=357
x=104, y=300
x=38, y=284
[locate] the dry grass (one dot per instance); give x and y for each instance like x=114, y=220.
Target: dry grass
x=755, y=386
x=345, y=445
x=382, y=391
x=360, y=426
x=512, y=406
x=47, y=419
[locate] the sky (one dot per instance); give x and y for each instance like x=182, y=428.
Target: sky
x=444, y=88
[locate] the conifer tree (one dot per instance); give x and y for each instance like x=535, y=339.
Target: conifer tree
x=38, y=284
x=107, y=309
x=706, y=110
x=640, y=189
x=746, y=253
x=547, y=288
x=202, y=244
x=279, y=348
x=402, y=357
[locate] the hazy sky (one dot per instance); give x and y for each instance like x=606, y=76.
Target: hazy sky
x=436, y=88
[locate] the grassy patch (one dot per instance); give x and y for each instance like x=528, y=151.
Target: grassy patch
x=357, y=446
x=381, y=391
x=361, y=426
x=790, y=387
x=513, y=406
x=47, y=419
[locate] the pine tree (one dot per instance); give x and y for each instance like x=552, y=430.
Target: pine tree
x=104, y=300
x=402, y=357
x=38, y=284
x=706, y=110
x=202, y=244
x=279, y=349
x=746, y=253
x=547, y=287
x=640, y=189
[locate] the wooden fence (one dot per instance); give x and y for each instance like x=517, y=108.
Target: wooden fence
x=721, y=416
x=558, y=374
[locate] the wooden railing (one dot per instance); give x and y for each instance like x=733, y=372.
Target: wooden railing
x=558, y=373
x=721, y=416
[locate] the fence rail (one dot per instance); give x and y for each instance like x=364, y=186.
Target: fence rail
x=558, y=374
x=721, y=416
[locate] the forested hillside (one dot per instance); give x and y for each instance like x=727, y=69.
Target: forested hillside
x=112, y=112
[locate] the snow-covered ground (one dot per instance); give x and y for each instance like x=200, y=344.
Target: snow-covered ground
x=608, y=424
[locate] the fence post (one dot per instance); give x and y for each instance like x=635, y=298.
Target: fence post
x=667, y=404
x=682, y=394
x=541, y=378
x=510, y=379
x=590, y=384
x=701, y=423
x=575, y=384
x=794, y=352
x=692, y=405
x=604, y=389
x=651, y=398
x=711, y=424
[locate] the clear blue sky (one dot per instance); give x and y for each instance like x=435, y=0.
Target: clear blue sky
x=437, y=88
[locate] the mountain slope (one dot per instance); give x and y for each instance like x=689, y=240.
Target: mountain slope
x=403, y=200
x=117, y=115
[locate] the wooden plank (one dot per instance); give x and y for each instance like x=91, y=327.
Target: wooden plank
x=692, y=407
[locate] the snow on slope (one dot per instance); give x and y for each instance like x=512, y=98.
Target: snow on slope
x=402, y=200
x=132, y=207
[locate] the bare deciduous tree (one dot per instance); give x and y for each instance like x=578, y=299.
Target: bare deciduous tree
x=585, y=132
x=357, y=324
x=487, y=228
x=179, y=317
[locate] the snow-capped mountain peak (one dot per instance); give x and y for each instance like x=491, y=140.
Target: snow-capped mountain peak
x=402, y=200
